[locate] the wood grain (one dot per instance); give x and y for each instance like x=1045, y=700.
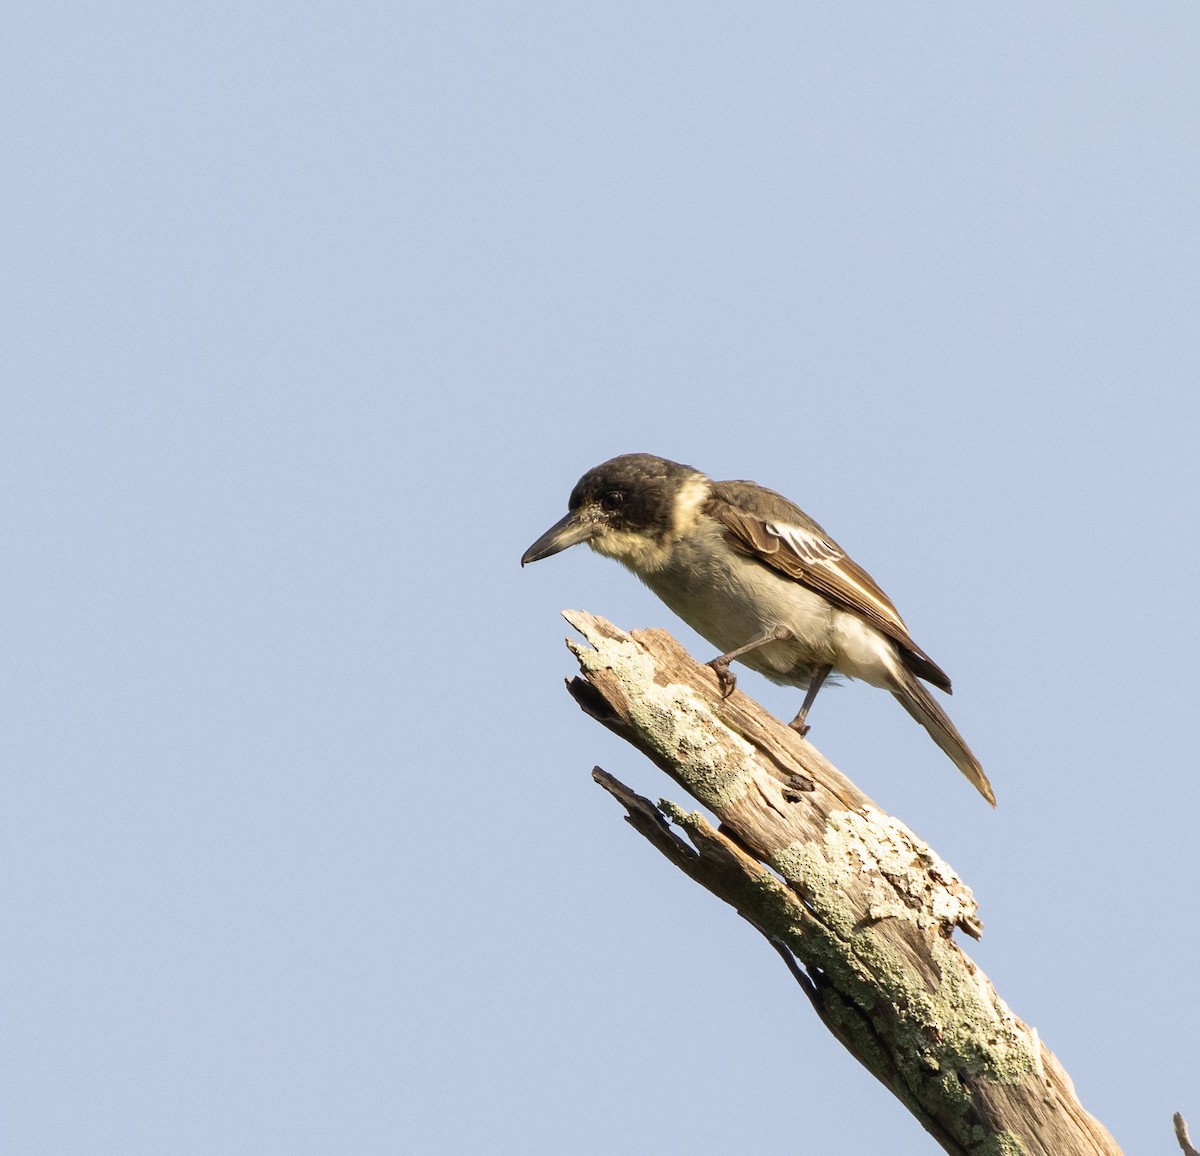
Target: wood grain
x=861, y=909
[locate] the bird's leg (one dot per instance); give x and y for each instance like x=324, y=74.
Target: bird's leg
x=820, y=674
x=726, y=679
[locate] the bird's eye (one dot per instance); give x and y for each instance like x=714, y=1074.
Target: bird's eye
x=612, y=500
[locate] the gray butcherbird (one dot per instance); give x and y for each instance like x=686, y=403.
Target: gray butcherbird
x=759, y=578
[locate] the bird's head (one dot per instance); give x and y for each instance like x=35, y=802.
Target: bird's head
x=628, y=508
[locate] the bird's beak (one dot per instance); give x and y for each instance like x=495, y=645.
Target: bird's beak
x=567, y=532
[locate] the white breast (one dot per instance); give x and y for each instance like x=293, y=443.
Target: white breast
x=731, y=600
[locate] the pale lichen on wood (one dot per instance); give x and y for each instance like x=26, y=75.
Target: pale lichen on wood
x=862, y=910
x=673, y=719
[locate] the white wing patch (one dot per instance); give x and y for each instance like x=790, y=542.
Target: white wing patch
x=806, y=545
x=814, y=550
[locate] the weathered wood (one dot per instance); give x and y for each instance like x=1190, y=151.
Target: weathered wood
x=861, y=909
x=1181, y=1134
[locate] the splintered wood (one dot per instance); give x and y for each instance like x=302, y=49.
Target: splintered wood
x=862, y=910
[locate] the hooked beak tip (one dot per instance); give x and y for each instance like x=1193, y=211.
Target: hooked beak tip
x=567, y=532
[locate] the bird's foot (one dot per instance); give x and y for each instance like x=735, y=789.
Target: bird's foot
x=799, y=724
x=816, y=681
x=726, y=679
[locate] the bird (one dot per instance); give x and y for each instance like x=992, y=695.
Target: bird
x=754, y=575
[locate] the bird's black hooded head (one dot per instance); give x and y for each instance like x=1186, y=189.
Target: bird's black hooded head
x=636, y=491
x=624, y=507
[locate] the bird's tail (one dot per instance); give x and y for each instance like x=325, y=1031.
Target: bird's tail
x=924, y=708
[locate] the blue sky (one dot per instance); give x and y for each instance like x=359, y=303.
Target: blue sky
x=312, y=317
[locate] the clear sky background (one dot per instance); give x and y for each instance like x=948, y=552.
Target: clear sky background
x=312, y=316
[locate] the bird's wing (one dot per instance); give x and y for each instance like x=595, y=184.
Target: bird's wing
x=766, y=526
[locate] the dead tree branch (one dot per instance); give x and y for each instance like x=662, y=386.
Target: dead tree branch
x=861, y=910
x=1181, y=1134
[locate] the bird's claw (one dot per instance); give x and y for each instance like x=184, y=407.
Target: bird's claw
x=726, y=679
x=800, y=726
